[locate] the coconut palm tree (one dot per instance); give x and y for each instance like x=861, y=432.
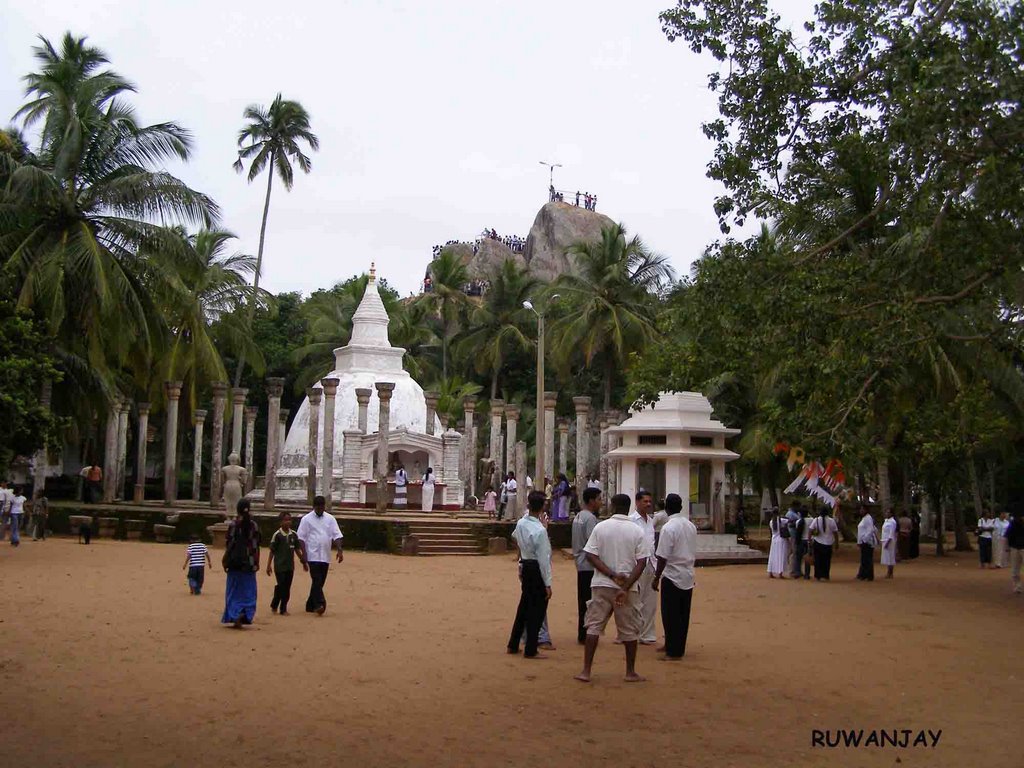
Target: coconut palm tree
x=447, y=300
x=271, y=140
x=610, y=299
x=496, y=326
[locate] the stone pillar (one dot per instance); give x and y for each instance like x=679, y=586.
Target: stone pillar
x=496, y=452
x=110, y=451
x=469, y=444
x=521, y=473
x=250, y=455
x=384, y=391
x=511, y=426
x=330, y=390
x=363, y=400
x=198, y=418
x=220, y=394
x=173, y=392
x=582, y=405
x=451, y=449
x=275, y=386
x=605, y=490
x=550, y=401
x=282, y=432
x=313, y=446
x=351, y=466
x=238, y=395
x=140, y=453
x=563, y=447
x=122, y=448
x=431, y=398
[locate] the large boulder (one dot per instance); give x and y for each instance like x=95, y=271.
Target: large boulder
x=485, y=257
x=557, y=227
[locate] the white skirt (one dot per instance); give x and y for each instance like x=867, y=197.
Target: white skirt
x=889, y=552
x=777, y=556
x=428, y=498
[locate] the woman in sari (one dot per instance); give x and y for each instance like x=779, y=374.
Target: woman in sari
x=241, y=561
x=560, y=499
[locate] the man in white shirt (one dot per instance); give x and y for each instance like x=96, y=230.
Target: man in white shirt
x=643, y=517
x=677, y=552
x=511, y=488
x=867, y=540
x=618, y=552
x=318, y=532
x=582, y=526
x=824, y=536
x=535, y=557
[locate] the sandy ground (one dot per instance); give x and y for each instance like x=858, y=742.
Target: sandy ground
x=106, y=660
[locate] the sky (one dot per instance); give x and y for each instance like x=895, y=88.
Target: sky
x=433, y=118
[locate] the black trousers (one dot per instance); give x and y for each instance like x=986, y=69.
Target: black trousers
x=985, y=550
x=318, y=577
x=583, y=579
x=283, y=590
x=675, y=617
x=822, y=560
x=533, y=604
x=867, y=562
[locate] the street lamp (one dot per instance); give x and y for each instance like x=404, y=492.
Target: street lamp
x=551, y=166
x=538, y=472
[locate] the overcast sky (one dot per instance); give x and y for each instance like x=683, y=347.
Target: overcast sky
x=433, y=117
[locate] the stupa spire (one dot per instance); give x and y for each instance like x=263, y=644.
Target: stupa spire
x=370, y=321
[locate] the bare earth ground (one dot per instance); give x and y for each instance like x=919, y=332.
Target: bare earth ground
x=105, y=660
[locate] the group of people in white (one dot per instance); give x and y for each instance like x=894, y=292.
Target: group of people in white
x=622, y=563
x=12, y=514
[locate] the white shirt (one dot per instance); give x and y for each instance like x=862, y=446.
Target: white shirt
x=620, y=544
x=317, y=534
x=512, y=486
x=428, y=480
x=824, y=530
x=660, y=518
x=18, y=505
x=594, y=484
x=866, y=531
x=5, y=498
x=647, y=526
x=401, y=478
x=1001, y=526
x=889, y=530
x=986, y=525
x=534, y=544
x=678, y=546
x=529, y=483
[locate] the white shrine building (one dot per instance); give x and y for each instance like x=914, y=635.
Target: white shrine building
x=674, y=447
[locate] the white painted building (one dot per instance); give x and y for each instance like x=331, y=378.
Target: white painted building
x=674, y=447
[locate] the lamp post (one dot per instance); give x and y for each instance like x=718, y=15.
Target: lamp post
x=551, y=178
x=538, y=472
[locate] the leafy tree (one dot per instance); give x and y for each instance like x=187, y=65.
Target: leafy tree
x=272, y=140
x=447, y=301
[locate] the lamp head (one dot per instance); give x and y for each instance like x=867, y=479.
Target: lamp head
x=528, y=304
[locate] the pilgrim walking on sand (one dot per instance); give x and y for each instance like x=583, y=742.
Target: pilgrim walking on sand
x=535, y=581
x=677, y=553
x=241, y=561
x=284, y=545
x=867, y=540
x=319, y=532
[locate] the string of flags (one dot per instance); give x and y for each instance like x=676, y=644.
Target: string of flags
x=825, y=481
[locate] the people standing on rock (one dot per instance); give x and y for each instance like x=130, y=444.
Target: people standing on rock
x=535, y=561
x=401, y=487
x=318, y=533
x=284, y=545
x=427, y=489
x=890, y=534
x=577, y=198
x=867, y=540
x=197, y=557
x=241, y=561
x=582, y=526
x=777, y=549
x=676, y=554
x=234, y=482
x=593, y=203
x=618, y=551
x=643, y=517
x=824, y=539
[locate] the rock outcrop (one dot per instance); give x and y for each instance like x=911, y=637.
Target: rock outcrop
x=489, y=256
x=557, y=227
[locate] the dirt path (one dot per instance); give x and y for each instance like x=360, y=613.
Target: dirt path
x=105, y=660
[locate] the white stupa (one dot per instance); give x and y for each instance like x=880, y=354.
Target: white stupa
x=368, y=358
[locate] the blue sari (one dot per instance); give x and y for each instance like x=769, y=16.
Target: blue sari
x=240, y=597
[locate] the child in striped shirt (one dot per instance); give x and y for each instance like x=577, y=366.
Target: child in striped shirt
x=197, y=557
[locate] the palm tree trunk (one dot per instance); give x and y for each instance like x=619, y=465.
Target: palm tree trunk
x=883, y=485
x=494, y=383
x=972, y=471
x=259, y=268
x=444, y=356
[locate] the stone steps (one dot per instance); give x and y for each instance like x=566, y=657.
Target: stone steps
x=445, y=538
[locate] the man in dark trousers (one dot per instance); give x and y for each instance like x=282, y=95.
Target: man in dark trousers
x=582, y=526
x=284, y=545
x=535, y=557
x=677, y=551
x=318, y=532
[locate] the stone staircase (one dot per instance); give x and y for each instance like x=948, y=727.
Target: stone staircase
x=446, y=537
x=723, y=549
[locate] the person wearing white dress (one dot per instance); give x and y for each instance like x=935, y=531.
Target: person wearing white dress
x=428, y=490
x=889, y=533
x=779, y=550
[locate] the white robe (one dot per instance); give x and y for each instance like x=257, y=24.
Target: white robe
x=778, y=552
x=889, y=529
x=428, y=493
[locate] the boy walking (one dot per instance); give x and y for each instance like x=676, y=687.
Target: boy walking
x=197, y=557
x=283, y=546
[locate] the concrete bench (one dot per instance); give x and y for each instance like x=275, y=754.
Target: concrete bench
x=134, y=529
x=164, y=533
x=107, y=527
x=77, y=521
